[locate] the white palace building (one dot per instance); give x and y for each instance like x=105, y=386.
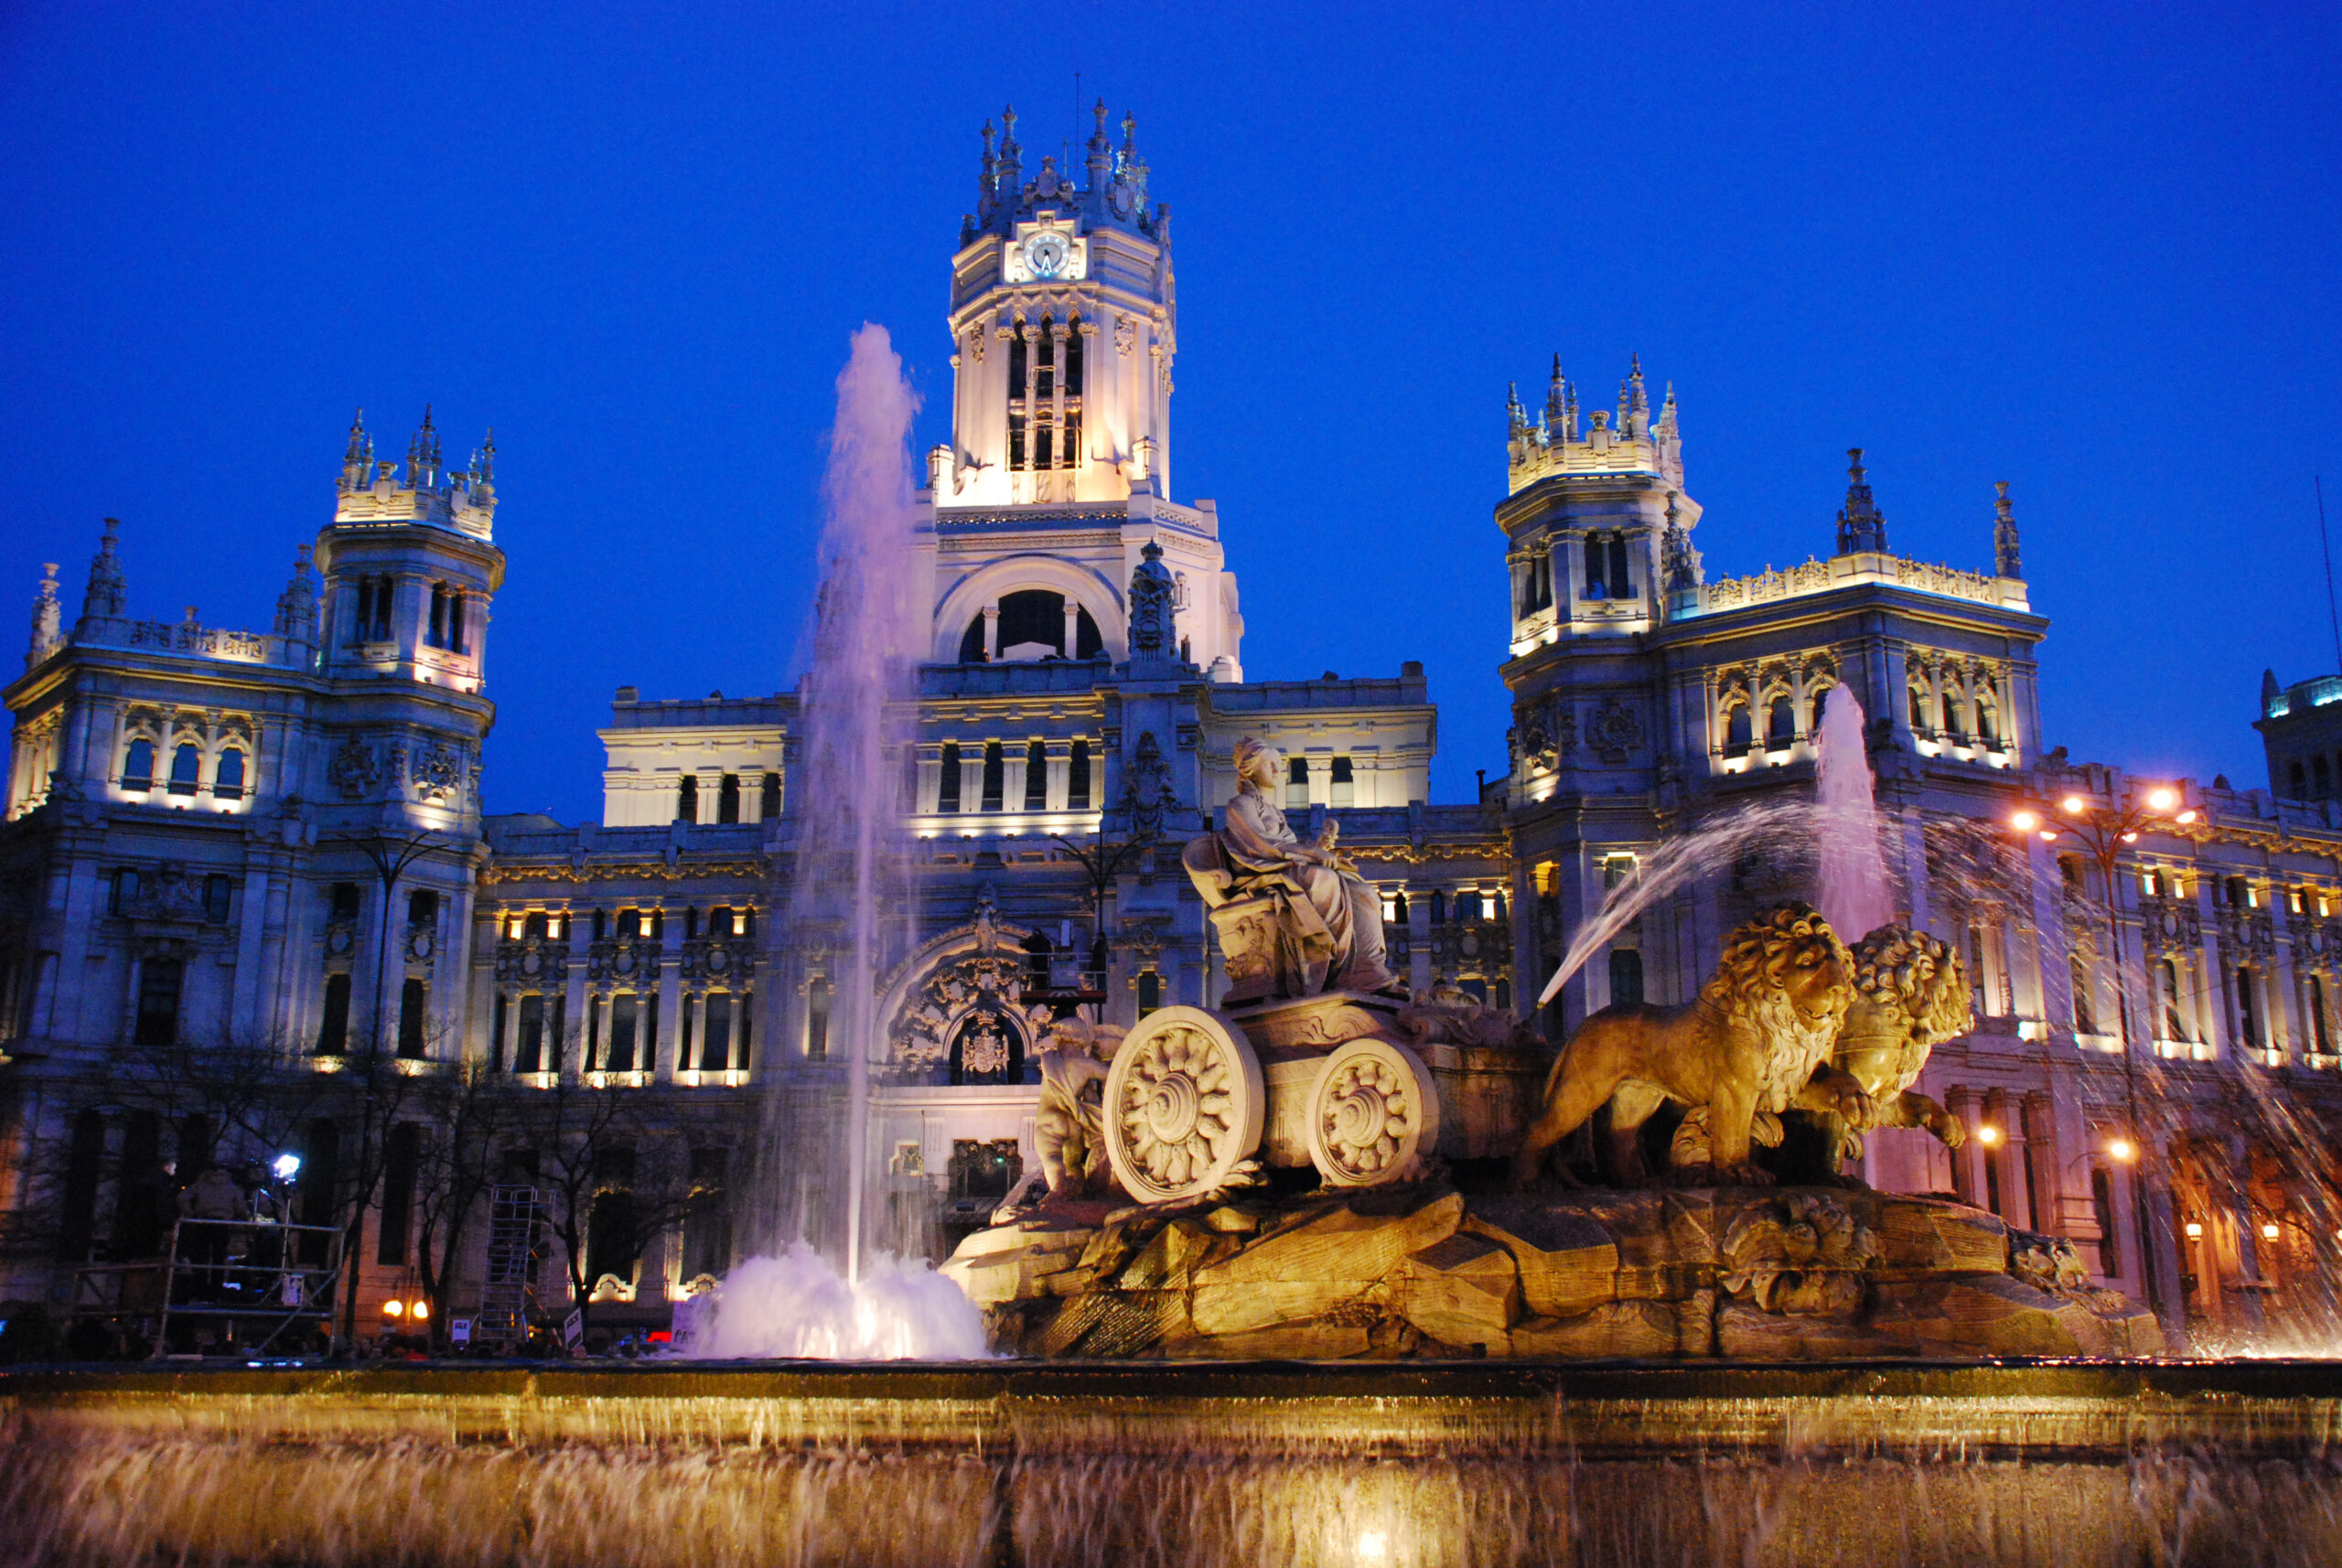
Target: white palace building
x=198, y=822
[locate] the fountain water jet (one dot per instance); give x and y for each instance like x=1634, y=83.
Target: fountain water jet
x=1851, y=888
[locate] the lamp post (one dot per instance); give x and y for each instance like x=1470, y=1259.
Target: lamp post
x=2104, y=832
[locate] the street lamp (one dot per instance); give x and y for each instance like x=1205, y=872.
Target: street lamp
x=2104, y=832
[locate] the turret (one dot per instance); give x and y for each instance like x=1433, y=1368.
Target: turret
x=1862, y=527
x=48, y=617
x=2006, y=563
x=108, y=591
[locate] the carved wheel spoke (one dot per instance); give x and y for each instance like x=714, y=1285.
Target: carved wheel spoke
x=1374, y=1110
x=1185, y=1102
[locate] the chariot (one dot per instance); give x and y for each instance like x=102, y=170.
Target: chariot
x=1364, y=1088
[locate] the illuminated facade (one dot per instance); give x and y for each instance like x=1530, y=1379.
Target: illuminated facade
x=195, y=818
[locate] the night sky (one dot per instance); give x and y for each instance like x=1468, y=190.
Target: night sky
x=2092, y=255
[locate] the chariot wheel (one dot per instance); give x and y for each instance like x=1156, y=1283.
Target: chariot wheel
x=1184, y=1104
x=1373, y=1109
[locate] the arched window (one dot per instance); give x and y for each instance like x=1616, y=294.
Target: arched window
x=2174, y=1022
x=1018, y=358
x=727, y=799
x=817, y=1019
x=411, y=1010
x=687, y=799
x=456, y=641
x=1597, y=584
x=138, y=766
x=2085, y=1015
x=1951, y=713
x=1626, y=977
x=2320, y=1038
x=1919, y=709
x=1820, y=704
x=1077, y=788
x=947, y=795
x=1780, y=724
x=1073, y=357
x=1737, y=730
x=228, y=775
x=1988, y=724
x=995, y=775
x=1619, y=589
x=1045, y=378
x=187, y=768
x=768, y=798
x=1037, y=776
x=436, y=632
x=2247, y=1012
x=1036, y=962
x=333, y=1027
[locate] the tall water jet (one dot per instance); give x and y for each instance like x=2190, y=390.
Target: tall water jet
x=859, y=685
x=1850, y=886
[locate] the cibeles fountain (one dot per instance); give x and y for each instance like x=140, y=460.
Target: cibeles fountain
x=1324, y=1167
x=1324, y=1273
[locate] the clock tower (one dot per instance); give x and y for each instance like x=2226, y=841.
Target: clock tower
x=1063, y=326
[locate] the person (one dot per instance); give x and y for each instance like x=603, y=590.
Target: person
x=1339, y=914
x=213, y=1196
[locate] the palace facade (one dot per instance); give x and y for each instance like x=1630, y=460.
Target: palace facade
x=276, y=840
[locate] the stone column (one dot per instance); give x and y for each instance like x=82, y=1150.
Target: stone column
x=1967, y=1171
x=671, y=1014
x=573, y=1047
x=972, y=776
x=992, y=631
x=1059, y=756
x=2003, y=1110
x=2042, y=1166
x=1073, y=626
x=1013, y=758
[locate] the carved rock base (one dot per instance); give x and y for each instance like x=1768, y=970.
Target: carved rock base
x=1415, y=1271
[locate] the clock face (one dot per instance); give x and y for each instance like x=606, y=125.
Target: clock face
x=1045, y=252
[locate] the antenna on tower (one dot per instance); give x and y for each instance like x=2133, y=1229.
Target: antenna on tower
x=2328, y=548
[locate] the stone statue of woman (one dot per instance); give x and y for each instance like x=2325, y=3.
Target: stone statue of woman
x=1330, y=920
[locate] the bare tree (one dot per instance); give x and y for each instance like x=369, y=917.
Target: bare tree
x=469, y=1114
x=612, y=1175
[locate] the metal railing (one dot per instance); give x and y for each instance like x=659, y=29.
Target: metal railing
x=255, y=1278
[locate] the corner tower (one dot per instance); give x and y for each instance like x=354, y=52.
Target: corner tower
x=1063, y=326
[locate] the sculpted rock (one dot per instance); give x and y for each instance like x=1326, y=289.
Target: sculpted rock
x=1754, y=1043
x=1068, y=1129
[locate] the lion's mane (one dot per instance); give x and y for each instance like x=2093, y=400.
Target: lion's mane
x=1751, y=985
x=1915, y=977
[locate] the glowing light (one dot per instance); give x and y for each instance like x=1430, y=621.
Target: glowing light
x=1371, y=1546
x=2194, y=1231
x=2269, y=1231
x=2130, y=838
x=1988, y=1135
x=287, y=1166
x=421, y=1310
x=2187, y=817
x=2162, y=800
x=2048, y=836
x=394, y=1308
x=2025, y=821
x=2120, y=1149
x=2072, y=805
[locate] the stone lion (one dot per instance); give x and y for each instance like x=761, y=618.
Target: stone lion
x=1910, y=995
x=1755, y=1041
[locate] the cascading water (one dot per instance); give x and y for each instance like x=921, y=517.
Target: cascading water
x=1850, y=886
x=860, y=682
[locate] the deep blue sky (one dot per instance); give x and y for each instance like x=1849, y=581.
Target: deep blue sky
x=2090, y=253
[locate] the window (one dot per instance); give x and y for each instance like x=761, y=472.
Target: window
x=1032, y=624
x=2101, y=1204
x=1950, y=715
x=2174, y=1022
x=2320, y=1040
x=2299, y=779
x=2085, y=1015
x=218, y=888
x=1044, y=373
x=1993, y=1182
x=529, y=1050
x=458, y=639
x=1076, y=790
x=1037, y=776
x=1036, y=962
x=946, y=794
x=1150, y=992
x=535, y=924
x=612, y=1234
x=423, y=908
x=341, y=902
x=1019, y=364
x=768, y=798
x=401, y=1158
x=1626, y=977
x=1780, y=724
x=716, y=1037
x=436, y=630
x=1015, y=421
x=138, y=766
x=1394, y=909
x=994, y=775
x=1073, y=357
x=2321, y=778
x=333, y=1026
x=2069, y=871
x=123, y=894
x=158, y=1002
x=187, y=768
x=1297, y=792
x=1341, y=787
x=2247, y=1018
x=1988, y=726
x=1919, y=709
x=228, y=775
x=707, y=1219
x=1616, y=870
x=687, y=799
x=1619, y=589
x=1043, y=449
x=2238, y=896
x=411, y=1015
x=1438, y=909
x=1738, y=730
x=373, y=624
x=624, y=1008
x=817, y=1019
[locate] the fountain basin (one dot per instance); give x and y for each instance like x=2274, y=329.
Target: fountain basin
x=1160, y=1463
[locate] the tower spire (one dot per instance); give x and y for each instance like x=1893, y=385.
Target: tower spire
x=1010, y=180
x=47, y=617
x=1862, y=527
x=1101, y=162
x=1557, y=403
x=2007, y=561
x=107, y=589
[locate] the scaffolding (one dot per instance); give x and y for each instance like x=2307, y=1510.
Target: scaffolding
x=515, y=1251
x=253, y=1280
